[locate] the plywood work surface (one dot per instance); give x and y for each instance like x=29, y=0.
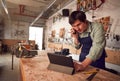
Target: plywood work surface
x=35, y=69
x=113, y=56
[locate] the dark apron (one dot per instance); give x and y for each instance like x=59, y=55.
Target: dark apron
x=86, y=45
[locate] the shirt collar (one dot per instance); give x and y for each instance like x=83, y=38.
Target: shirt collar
x=89, y=29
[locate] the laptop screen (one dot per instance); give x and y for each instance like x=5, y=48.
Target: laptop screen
x=60, y=60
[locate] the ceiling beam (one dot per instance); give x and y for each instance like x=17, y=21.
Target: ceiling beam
x=42, y=12
x=22, y=14
x=26, y=2
x=5, y=8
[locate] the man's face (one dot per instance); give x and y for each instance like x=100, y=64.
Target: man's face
x=79, y=26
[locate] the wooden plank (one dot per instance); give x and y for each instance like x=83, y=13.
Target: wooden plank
x=22, y=71
x=35, y=69
x=51, y=46
x=10, y=42
x=113, y=56
x=58, y=46
x=71, y=48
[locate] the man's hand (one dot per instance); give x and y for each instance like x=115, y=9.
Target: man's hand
x=74, y=34
x=78, y=66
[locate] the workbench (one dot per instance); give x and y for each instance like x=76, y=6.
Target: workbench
x=35, y=69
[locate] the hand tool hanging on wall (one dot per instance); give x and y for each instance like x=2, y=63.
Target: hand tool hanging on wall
x=117, y=37
x=95, y=6
x=86, y=5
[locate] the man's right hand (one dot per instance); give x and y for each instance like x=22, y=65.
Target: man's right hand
x=78, y=66
x=74, y=34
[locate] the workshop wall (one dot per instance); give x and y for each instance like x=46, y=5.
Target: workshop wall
x=17, y=30
x=110, y=9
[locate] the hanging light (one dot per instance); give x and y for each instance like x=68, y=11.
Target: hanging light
x=4, y=6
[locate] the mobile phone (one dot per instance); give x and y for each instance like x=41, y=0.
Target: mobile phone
x=74, y=32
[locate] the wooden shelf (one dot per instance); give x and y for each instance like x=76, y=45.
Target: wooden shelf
x=113, y=56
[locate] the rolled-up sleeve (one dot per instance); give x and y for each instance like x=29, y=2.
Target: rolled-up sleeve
x=77, y=46
x=98, y=42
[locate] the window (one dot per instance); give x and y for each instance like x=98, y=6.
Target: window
x=36, y=33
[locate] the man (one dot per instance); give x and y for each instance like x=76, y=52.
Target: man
x=90, y=36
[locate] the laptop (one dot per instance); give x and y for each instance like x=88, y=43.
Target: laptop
x=61, y=63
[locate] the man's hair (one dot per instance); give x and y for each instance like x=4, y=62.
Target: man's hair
x=77, y=15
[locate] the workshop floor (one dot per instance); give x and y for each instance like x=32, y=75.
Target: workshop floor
x=6, y=72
